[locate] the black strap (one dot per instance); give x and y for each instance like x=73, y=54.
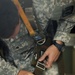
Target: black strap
x=38, y=71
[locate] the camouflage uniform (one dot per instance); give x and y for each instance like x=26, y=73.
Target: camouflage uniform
x=22, y=46
x=52, y=9
x=21, y=49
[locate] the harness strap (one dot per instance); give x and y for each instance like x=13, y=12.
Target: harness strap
x=40, y=38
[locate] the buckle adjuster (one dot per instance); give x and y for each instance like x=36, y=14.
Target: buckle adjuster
x=40, y=65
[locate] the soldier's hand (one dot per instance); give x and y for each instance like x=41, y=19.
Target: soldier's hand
x=52, y=53
x=23, y=72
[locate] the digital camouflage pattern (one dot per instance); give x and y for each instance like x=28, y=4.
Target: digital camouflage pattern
x=21, y=48
x=52, y=9
x=6, y=68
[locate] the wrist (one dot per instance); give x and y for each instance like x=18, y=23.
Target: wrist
x=59, y=44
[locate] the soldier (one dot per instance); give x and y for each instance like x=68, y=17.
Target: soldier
x=21, y=46
x=63, y=12
x=19, y=50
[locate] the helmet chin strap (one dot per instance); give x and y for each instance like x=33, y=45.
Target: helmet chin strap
x=38, y=37
x=24, y=18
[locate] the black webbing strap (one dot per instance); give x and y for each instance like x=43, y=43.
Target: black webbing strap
x=38, y=71
x=38, y=37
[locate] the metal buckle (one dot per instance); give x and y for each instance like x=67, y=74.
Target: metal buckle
x=40, y=65
x=41, y=42
x=39, y=38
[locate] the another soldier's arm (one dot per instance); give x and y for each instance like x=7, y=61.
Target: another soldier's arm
x=23, y=72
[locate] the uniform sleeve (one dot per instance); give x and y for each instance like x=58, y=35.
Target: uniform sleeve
x=64, y=29
x=52, y=9
x=7, y=69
